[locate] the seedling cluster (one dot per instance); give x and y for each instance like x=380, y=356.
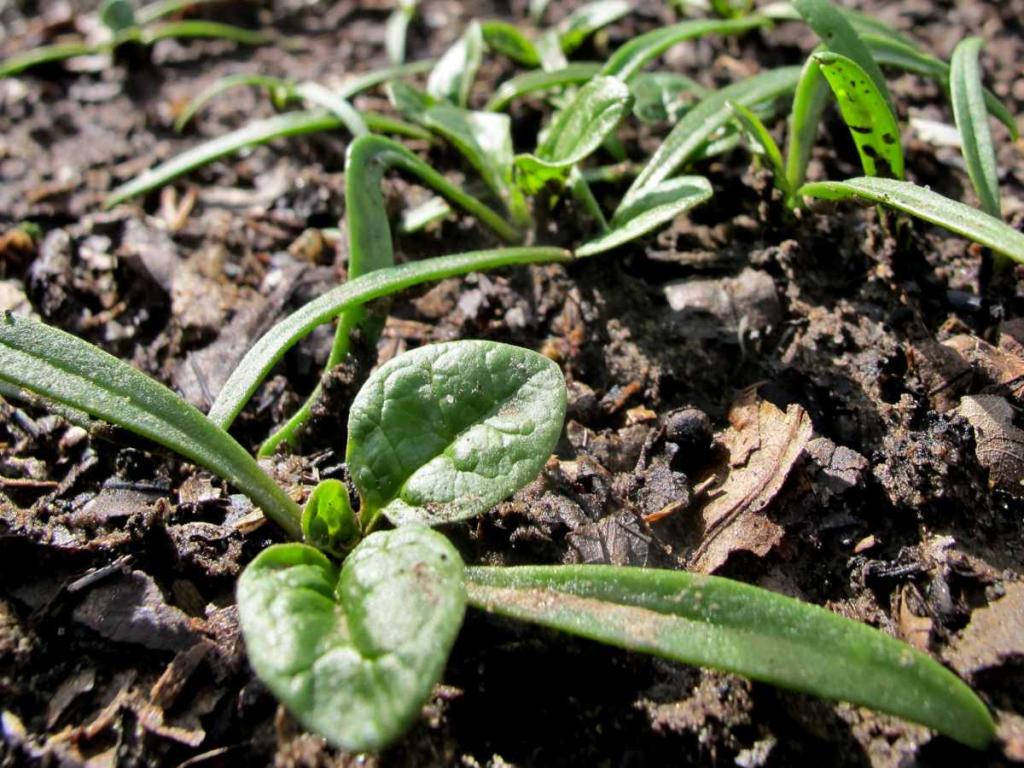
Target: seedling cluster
x=351, y=626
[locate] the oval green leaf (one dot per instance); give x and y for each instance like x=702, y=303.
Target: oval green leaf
x=508, y=40
x=354, y=655
x=328, y=522
x=866, y=113
x=929, y=206
x=729, y=625
x=652, y=209
x=447, y=431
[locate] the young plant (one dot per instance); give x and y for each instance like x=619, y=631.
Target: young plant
x=123, y=26
x=441, y=434
x=971, y=115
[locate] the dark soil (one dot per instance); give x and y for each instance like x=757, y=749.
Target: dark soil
x=858, y=393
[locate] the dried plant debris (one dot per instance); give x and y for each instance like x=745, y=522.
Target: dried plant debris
x=760, y=448
x=999, y=443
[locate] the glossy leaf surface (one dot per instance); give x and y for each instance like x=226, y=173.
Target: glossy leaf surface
x=586, y=20
x=446, y=431
x=708, y=116
x=354, y=654
x=929, y=206
x=452, y=77
x=655, y=207
x=866, y=113
x=577, y=131
x=968, y=96
x=507, y=39
x=63, y=368
x=328, y=522
x=265, y=353
x=729, y=625
x=541, y=81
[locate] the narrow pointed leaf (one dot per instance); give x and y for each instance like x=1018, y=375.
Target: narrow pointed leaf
x=281, y=92
x=316, y=94
x=765, y=145
x=506, y=39
x=929, y=206
x=261, y=358
x=577, y=131
x=708, y=116
x=47, y=54
x=839, y=36
x=63, y=368
x=631, y=57
x=255, y=133
x=659, y=96
x=972, y=121
x=575, y=28
x=354, y=654
x=809, y=102
x=445, y=432
x=866, y=113
x=728, y=625
x=889, y=52
x=396, y=30
x=452, y=77
x=201, y=29
x=539, y=82
x=652, y=209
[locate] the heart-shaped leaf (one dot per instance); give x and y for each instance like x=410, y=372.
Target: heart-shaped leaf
x=353, y=655
x=445, y=432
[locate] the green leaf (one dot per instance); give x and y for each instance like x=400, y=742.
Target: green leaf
x=452, y=77
x=866, y=113
x=540, y=81
x=732, y=9
x=445, y=432
x=255, y=133
x=927, y=205
x=265, y=353
x=328, y=522
x=319, y=96
x=193, y=28
x=282, y=91
x=117, y=15
x=63, y=368
x=506, y=39
x=656, y=206
x=396, y=29
x=354, y=655
x=409, y=100
x=631, y=57
x=549, y=48
x=485, y=140
x=576, y=132
x=809, y=102
x=839, y=36
x=708, y=116
x=575, y=28
x=763, y=144
x=47, y=54
x=889, y=52
x=971, y=117
x=657, y=96
x=728, y=625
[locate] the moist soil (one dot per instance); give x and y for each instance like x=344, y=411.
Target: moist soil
x=823, y=404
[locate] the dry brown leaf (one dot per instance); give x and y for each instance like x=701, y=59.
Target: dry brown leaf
x=999, y=444
x=995, y=634
x=998, y=367
x=763, y=444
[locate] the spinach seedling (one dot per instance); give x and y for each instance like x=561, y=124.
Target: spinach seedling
x=123, y=26
x=441, y=434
